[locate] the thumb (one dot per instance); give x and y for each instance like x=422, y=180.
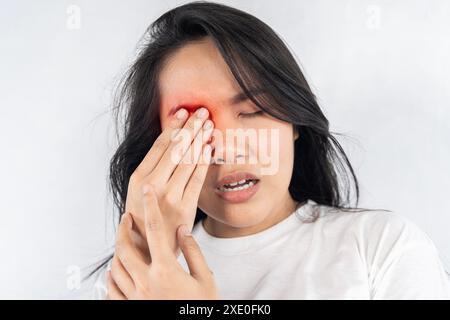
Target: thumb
x=193, y=254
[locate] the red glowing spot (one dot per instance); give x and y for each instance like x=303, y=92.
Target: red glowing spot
x=191, y=108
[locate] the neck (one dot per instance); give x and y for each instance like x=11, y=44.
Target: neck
x=217, y=229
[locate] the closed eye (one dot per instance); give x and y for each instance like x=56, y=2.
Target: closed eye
x=252, y=114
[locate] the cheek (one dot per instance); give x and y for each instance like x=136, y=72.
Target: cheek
x=286, y=143
x=283, y=153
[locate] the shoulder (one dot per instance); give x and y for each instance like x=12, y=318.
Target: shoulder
x=378, y=235
x=372, y=225
x=401, y=259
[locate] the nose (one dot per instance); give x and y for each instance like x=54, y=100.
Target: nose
x=224, y=153
x=229, y=147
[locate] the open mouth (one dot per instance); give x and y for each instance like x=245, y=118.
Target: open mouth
x=239, y=185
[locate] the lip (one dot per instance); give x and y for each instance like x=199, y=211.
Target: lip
x=235, y=177
x=237, y=196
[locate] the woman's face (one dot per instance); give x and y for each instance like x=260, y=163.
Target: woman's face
x=196, y=74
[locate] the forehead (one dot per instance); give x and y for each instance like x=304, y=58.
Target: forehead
x=196, y=73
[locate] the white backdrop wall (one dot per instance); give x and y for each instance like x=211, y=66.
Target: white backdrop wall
x=380, y=69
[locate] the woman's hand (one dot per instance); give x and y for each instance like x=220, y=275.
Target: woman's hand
x=177, y=177
x=164, y=278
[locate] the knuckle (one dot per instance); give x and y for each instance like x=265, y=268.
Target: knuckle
x=135, y=177
x=169, y=199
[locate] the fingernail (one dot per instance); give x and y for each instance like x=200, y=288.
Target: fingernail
x=184, y=230
x=208, y=125
x=181, y=114
x=201, y=112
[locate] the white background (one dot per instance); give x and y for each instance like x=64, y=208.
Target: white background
x=381, y=71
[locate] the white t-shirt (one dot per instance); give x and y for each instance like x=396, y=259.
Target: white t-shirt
x=341, y=255
x=320, y=252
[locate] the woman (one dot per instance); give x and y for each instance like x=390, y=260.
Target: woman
x=279, y=227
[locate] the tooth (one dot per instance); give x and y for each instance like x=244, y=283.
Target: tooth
x=242, y=181
x=232, y=187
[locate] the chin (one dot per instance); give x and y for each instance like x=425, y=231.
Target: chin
x=237, y=215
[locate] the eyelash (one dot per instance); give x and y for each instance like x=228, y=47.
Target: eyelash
x=251, y=115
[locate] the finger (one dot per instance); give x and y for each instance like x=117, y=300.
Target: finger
x=114, y=292
x=161, y=144
x=180, y=145
x=193, y=254
x=138, y=238
x=197, y=179
x=155, y=232
x=191, y=159
x=126, y=250
x=121, y=277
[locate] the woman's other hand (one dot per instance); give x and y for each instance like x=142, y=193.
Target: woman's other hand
x=164, y=278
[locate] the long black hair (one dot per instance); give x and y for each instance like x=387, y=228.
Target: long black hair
x=256, y=55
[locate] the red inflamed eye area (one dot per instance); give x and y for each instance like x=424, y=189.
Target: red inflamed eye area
x=191, y=108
